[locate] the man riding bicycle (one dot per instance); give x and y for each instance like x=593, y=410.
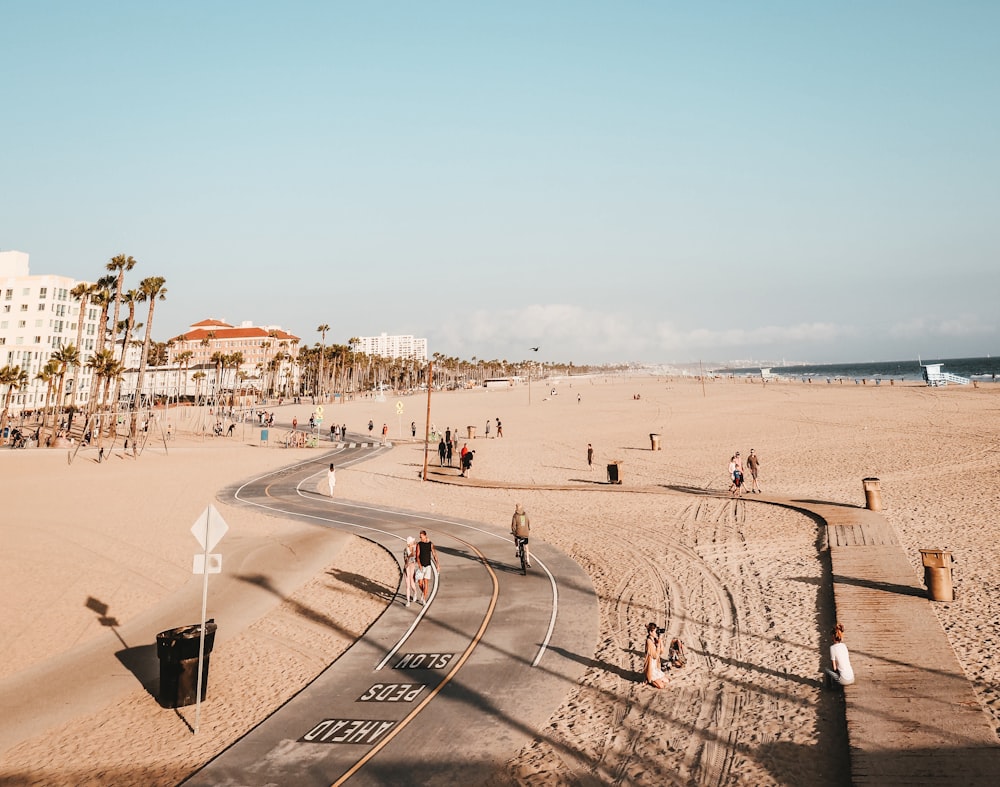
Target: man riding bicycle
x=520, y=528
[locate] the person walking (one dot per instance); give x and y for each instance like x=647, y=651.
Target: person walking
x=655, y=676
x=410, y=569
x=413, y=428
x=487, y=428
x=753, y=464
x=520, y=528
x=449, y=449
x=499, y=428
x=442, y=451
x=842, y=673
x=426, y=554
x=385, y=432
x=371, y=425
x=736, y=474
x=590, y=456
x=331, y=478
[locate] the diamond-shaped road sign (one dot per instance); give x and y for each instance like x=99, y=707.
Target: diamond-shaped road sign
x=210, y=527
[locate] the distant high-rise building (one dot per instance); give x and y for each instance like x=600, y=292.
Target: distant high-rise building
x=38, y=317
x=392, y=347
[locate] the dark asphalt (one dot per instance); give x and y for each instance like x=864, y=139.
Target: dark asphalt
x=446, y=692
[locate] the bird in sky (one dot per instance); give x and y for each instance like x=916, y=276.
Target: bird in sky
x=533, y=348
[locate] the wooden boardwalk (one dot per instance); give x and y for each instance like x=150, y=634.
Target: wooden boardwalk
x=912, y=717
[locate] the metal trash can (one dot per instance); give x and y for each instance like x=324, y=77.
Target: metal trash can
x=615, y=472
x=472, y=432
x=177, y=650
x=937, y=574
x=873, y=494
x=654, y=442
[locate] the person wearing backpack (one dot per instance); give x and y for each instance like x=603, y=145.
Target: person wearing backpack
x=520, y=528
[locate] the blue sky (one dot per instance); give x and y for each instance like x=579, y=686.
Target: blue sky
x=658, y=182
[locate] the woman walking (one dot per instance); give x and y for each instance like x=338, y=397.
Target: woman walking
x=410, y=568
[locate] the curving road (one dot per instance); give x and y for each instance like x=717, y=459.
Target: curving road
x=446, y=691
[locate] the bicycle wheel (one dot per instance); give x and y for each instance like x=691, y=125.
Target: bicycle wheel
x=524, y=560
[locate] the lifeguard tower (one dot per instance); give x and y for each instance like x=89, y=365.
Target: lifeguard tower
x=934, y=377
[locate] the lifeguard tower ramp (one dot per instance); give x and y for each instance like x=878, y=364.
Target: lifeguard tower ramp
x=934, y=376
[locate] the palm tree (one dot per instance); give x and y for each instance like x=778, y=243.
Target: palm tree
x=66, y=357
x=82, y=293
x=183, y=359
x=117, y=266
x=198, y=377
x=101, y=296
x=15, y=378
x=322, y=348
x=219, y=359
x=131, y=297
x=47, y=375
x=151, y=289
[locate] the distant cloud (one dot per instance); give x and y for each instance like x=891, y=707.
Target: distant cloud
x=758, y=337
x=568, y=332
x=966, y=325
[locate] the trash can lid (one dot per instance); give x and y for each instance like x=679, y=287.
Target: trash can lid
x=188, y=632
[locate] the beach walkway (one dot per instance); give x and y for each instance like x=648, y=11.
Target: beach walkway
x=912, y=716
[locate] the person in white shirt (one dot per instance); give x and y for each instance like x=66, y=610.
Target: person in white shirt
x=842, y=672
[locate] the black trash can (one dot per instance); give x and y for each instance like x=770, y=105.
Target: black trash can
x=615, y=472
x=177, y=650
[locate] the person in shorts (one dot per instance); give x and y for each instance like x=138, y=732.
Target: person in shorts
x=426, y=554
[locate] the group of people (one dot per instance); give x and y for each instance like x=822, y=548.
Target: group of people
x=448, y=447
x=420, y=561
x=736, y=473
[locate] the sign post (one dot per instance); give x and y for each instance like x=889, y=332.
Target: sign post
x=399, y=417
x=209, y=530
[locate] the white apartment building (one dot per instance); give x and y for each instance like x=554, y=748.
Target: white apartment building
x=37, y=317
x=392, y=347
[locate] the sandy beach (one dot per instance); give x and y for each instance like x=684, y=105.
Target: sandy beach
x=744, y=584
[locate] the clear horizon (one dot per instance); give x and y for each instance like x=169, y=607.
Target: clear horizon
x=658, y=183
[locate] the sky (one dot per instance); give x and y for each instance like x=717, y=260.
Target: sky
x=632, y=181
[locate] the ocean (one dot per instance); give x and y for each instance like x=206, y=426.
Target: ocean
x=987, y=368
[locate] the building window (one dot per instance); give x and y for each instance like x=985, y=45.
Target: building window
x=26, y=292
x=41, y=307
x=24, y=307
x=9, y=295
x=22, y=324
x=38, y=340
x=43, y=292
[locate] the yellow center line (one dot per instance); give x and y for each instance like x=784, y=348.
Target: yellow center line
x=447, y=678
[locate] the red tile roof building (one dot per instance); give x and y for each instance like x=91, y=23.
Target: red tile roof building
x=258, y=344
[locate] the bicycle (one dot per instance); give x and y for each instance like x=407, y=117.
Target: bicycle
x=520, y=542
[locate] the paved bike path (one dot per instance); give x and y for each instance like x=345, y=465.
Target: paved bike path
x=481, y=668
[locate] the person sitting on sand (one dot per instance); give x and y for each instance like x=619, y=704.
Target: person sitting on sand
x=655, y=676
